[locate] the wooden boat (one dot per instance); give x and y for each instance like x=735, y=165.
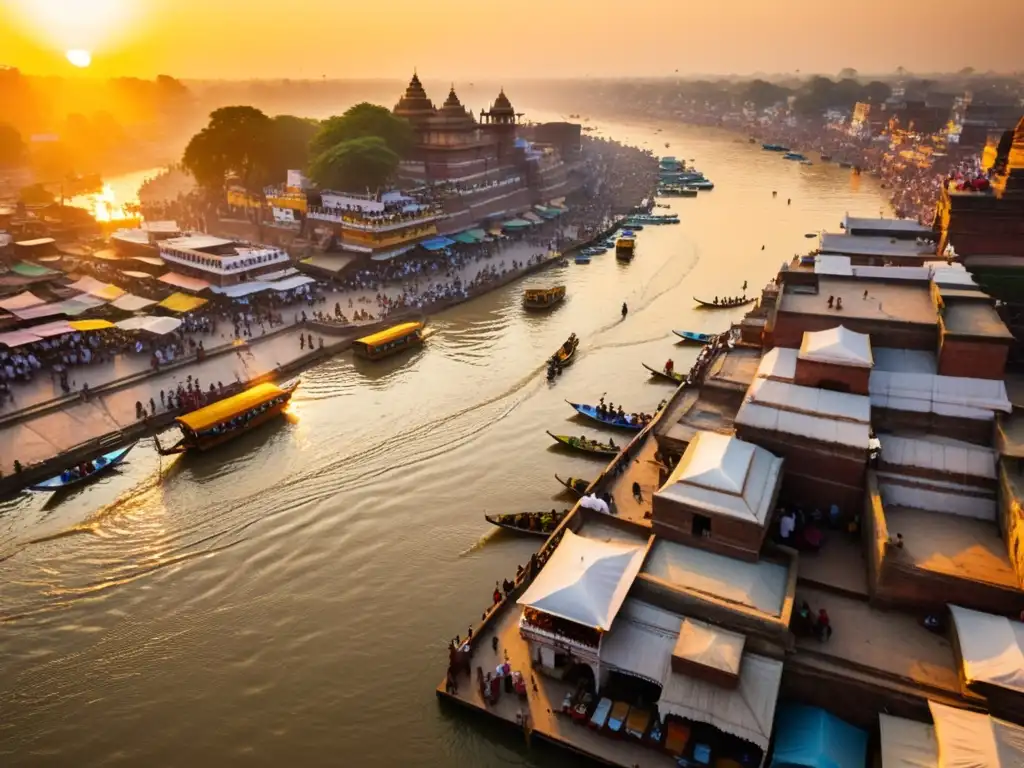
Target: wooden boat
x=567, y=357
x=543, y=298
x=582, y=258
x=591, y=446
x=70, y=478
x=226, y=419
x=740, y=302
x=700, y=338
x=576, y=485
x=702, y=185
x=528, y=522
x=774, y=148
x=625, y=246
x=609, y=421
x=674, y=377
x=793, y=156
x=845, y=164
x=825, y=157
x=389, y=341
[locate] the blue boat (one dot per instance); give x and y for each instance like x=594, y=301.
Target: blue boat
x=70, y=478
x=582, y=258
x=774, y=148
x=700, y=338
x=609, y=421
x=704, y=186
x=793, y=156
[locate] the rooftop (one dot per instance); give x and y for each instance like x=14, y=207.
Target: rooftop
x=726, y=476
x=885, y=302
x=952, y=545
x=908, y=226
x=759, y=586
x=974, y=319
x=991, y=648
x=837, y=346
x=885, y=247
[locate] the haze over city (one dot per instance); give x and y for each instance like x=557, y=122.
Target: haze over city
x=236, y=39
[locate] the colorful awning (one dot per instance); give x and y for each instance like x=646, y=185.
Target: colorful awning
x=186, y=283
x=516, y=224
x=28, y=269
x=181, y=302
x=21, y=301
x=91, y=325
x=464, y=237
x=479, y=234
x=131, y=303
x=437, y=243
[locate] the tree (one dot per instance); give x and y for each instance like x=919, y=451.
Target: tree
x=35, y=194
x=847, y=73
x=876, y=92
x=361, y=121
x=12, y=147
x=237, y=140
x=762, y=94
x=290, y=139
x=355, y=165
x=966, y=72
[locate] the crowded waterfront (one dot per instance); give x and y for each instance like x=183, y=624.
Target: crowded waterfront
x=301, y=538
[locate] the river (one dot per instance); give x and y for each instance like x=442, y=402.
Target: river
x=288, y=599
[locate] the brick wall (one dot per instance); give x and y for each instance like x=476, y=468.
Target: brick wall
x=789, y=327
x=975, y=359
x=729, y=536
x=841, y=378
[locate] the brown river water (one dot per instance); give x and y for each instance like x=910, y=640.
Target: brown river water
x=288, y=598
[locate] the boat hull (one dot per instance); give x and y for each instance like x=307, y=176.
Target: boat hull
x=54, y=484
x=600, y=450
x=697, y=338
x=591, y=413
x=720, y=305
x=509, y=524
x=675, y=378
x=576, y=485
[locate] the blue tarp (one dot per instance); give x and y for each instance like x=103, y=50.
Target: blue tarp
x=437, y=243
x=811, y=737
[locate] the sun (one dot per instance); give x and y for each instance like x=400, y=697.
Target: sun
x=79, y=58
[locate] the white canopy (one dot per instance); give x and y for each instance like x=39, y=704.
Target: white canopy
x=710, y=646
x=946, y=395
x=837, y=346
x=131, y=303
x=907, y=744
x=150, y=323
x=972, y=740
x=641, y=642
x=778, y=364
x=98, y=289
x=726, y=476
x=747, y=711
x=239, y=290
x=21, y=301
x=18, y=338
x=585, y=581
x=56, y=328
x=296, y=281
x=990, y=648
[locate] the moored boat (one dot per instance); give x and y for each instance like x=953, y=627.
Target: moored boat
x=582, y=258
x=586, y=445
x=389, y=341
x=543, y=298
x=226, y=419
x=674, y=376
x=534, y=523
x=725, y=303
x=576, y=485
x=701, y=186
x=825, y=157
x=85, y=472
x=793, y=156
x=775, y=148
x=608, y=420
x=699, y=338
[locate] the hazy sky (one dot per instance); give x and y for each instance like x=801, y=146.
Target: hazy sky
x=462, y=40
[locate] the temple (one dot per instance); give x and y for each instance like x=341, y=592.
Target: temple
x=450, y=145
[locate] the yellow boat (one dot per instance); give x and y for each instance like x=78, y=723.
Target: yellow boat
x=625, y=246
x=543, y=298
x=226, y=419
x=389, y=341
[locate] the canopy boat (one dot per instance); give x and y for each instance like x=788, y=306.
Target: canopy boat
x=73, y=476
x=609, y=420
x=226, y=419
x=738, y=302
x=575, y=484
x=700, y=338
x=534, y=523
x=586, y=445
x=674, y=377
x=774, y=148
x=389, y=341
x=625, y=246
x=582, y=258
x=793, y=156
x=543, y=298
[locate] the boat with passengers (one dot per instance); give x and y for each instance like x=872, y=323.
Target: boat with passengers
x=390, y=341
x=543, y=298
x=625, y=246
x=670, y=375
x=725, y=303
x=586, y=445
x=85, y=472
x=226, y=419
x=609, y=417
x=576, y=485
x=696, y=337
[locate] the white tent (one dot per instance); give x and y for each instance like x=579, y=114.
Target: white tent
x=296, y=281
x=585, y=581
x=150, y=323
x=98, y=289
x=131, y=303
x=907, y=744
x=972, y=740
x=641, y=642
x=21, y=301
x=837, y=346
x=990, y=648
x=725, y=475
x=747, y=711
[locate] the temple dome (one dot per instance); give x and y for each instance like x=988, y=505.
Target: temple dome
x=414, y=102
x=452, y=106
x=502, y=106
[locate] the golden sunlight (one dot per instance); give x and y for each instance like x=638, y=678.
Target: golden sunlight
x=78, y=26
x=79, y=58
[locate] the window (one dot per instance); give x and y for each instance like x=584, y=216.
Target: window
x=701, y=526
